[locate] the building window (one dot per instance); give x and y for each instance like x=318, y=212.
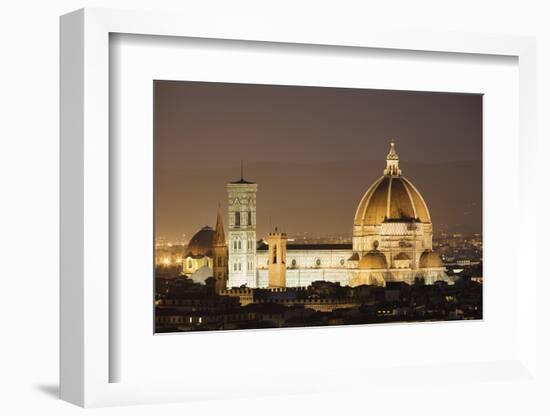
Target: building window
x=234, y=267
x=190, y=264
x=342, y=262
x=239, y=266
x=237, y=219
x=318, y=262
x=249, y=217
x=234, y=244
x=275, y=254
x=239, y=243
x=293, y=262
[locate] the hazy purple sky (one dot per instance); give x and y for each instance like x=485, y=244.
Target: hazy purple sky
x=289, y=136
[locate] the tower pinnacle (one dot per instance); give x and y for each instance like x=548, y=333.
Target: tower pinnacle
x=392, y=161
x=219, y=234
x=219, y=255
x=242, y=180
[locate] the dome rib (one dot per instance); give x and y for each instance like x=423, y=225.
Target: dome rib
x=402, y=205
x=410, y=198
x=423, y=213
x=388, y=202
x=359, y=217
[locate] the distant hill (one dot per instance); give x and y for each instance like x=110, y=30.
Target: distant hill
x=318, y=198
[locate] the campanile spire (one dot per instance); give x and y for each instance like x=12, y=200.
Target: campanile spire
x=219, y=256
x=219, y=234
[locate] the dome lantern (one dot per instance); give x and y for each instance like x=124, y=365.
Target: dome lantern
x=392, y=162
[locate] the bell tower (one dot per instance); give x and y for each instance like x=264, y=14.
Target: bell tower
x=241, y=199
x=277, y=258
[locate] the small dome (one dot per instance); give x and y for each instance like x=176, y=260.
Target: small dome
x=401, y=256
x=201, y=243
x=374, y=259
x=430, y=259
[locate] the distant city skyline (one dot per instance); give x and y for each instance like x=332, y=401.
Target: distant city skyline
x=312, y=151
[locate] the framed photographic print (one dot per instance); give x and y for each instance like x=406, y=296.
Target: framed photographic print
x=273, y=212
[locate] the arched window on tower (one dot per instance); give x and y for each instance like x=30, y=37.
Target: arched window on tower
x=249, y=217
x=275, y=254
x=237, y=219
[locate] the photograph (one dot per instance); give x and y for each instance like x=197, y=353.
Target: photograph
x=280, y=206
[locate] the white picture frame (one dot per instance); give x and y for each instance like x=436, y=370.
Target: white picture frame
x=85, y=211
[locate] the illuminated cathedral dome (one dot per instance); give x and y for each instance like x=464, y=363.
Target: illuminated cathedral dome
x=201, y=243
x=374, y=259
x=430, y=259
x=391, y=198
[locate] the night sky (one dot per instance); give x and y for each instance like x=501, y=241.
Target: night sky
x=312, y=151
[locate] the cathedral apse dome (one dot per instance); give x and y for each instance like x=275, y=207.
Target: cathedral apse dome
x=201, y=243
x=374, y=259
x=430, y=259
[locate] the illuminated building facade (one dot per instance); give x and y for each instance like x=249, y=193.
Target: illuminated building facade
x=242, y=233
x=391, y=241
